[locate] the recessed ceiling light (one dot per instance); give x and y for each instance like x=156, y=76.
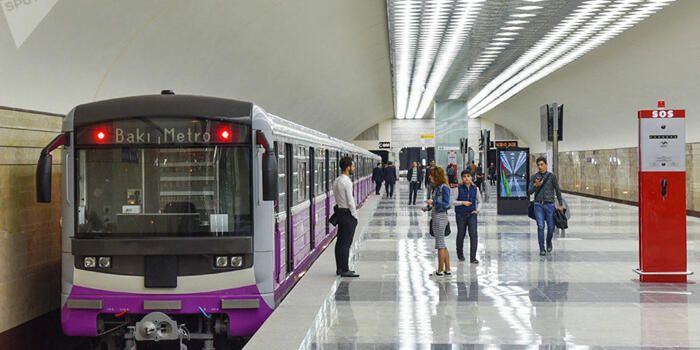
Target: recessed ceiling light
x=503, y=39
x=499, y=44
x=518, y=21
x=507, y=34
x=523, y=15
x=512, y=28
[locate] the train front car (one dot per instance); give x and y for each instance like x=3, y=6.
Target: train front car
x=159, y=217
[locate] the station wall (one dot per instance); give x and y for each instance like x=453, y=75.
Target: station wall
x=30, y=238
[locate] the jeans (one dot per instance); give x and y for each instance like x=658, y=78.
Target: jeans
x=544, y=211
x=389, y=189
x=429, y=188
x=467, y=223
x=378, y=187
x=413, y=192
x=346, y=233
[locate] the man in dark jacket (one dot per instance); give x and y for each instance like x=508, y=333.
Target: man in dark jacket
x=378, y=177
x=414, y=177
x=428, y=181
x=389, y=179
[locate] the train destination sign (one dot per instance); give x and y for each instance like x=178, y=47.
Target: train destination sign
x=158, y=132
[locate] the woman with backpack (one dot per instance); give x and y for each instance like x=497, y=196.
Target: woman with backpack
x=438, y=206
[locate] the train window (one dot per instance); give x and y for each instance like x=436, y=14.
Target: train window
x=319, y=183
x=301, y=183
x=164, y=191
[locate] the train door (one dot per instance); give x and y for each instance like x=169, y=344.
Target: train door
x=312, y=198
x=327, y=187
x=289, y=239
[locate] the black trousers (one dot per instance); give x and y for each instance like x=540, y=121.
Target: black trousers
x=467, y=223
x=378, y=187
x=492, y=179
x=413, y=192
x=346, y=232
x=389, y=189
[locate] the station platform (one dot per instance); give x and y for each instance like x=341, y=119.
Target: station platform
x=585, y=295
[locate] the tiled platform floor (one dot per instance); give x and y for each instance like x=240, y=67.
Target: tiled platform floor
x=583, y=296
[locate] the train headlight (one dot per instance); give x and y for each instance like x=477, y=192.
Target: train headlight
x=89, y=262
x=221, y=261
x=104, y=262
x=236, y=261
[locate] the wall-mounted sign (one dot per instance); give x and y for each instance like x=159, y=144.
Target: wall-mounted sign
x=384, y=145
x=506, y=144
x=427, y=136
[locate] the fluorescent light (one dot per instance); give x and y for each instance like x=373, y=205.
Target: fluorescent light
x=518, y=21
x=512, y=28
x=507, y=34
x=528, y=8
x=523, y=15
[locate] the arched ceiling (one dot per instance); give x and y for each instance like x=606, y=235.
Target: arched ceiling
x=324, y=64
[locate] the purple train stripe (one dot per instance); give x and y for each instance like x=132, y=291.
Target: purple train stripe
x=80, y=322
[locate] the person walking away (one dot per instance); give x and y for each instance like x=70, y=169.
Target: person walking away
x=451, y=174
x=389, y=179
x=473, y=168
x=440, y=203
x=467, y=207
x=492, y=174
x=414, y=177
x=479, y=180
x=345, y=216
x=545, y=186
x=378, y=177
x=428, y=181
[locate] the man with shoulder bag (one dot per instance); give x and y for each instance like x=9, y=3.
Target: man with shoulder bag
x=545, y=186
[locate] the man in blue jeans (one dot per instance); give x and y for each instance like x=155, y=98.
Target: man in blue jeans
x=545, y=186
x=467, y=206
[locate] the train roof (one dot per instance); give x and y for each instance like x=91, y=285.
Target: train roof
x=293, y=130
x=165, y=105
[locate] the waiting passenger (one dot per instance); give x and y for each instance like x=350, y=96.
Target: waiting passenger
x=345, y=214
x=378, y=177
x=545, y=186
x=438, y=207
x=414, y=176
x=467, y=206
x=389, y=179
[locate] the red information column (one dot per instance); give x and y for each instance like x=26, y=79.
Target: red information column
x=662, y=220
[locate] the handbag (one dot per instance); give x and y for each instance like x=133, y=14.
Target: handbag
x=447, y=228
x=531, y=205
x=560, y=220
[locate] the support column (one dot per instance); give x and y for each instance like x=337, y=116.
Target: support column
x=474, y=126
x=450, y=126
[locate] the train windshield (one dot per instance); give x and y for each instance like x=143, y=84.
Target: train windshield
x=162, y=190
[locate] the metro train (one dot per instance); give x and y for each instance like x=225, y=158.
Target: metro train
x=188, y=217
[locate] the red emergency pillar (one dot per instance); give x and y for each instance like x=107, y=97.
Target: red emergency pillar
x=662, y=217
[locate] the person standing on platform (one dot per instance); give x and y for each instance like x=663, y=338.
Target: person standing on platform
x=420, y=178
x=467, y=207
x=345, y=214
x=545, y=186
x=439, y=205
x=428, y=181
x=378, y=178
x=473, y=168
x=414, y=177
x=389, y=179
x=492, y=174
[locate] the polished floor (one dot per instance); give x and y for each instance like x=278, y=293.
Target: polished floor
x=585, y=295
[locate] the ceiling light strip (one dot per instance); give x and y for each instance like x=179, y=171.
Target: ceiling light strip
x=620, y=26
x=458, y=30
